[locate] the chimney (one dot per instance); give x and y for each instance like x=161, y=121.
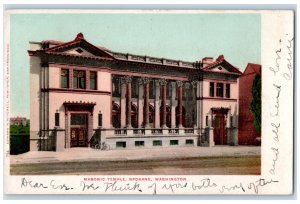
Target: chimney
x=207, y=60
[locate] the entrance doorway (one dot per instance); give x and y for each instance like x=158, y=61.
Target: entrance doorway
x=219, y=125
x=79, y=133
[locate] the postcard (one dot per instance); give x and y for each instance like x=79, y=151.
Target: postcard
x=149, y=102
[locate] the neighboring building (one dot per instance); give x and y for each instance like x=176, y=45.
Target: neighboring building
x=247, y=132
x=18, y=121
x=76, y=87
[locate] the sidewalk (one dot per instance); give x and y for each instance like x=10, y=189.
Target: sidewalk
x=88, y=154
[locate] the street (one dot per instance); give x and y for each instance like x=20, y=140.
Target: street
x=218, y=165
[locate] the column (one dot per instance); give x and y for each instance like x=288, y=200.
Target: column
x=140, y=102
x=163, y=102
x=156, y=104
x=146, y=102
x=173, y=105
x=179, y=89
x=123, y=102
x=87, y=79
x=210, y=128
x=128, y=104
x=196, y=114
x=68, y=130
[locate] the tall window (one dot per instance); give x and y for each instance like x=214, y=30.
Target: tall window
x=152, y=89
x=220, y=90
x=211, y=89
x=116, y=116
x=93, y=80
x=169, y=90
x=79, y=79
x=64, y=78
x=116, y=87
x=227, y=90
x=134, y=88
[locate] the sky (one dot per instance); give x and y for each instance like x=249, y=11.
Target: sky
x=187, y=37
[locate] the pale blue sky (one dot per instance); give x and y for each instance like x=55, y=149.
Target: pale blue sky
x=188, y=37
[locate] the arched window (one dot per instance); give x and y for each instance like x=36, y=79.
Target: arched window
x=116, y=121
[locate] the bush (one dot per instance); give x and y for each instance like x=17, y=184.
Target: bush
x=19, y=143
x=19, y=139
x=256, y=102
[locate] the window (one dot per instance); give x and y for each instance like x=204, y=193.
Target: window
x=220, y=90
x=79, y=79
x=78, y=119
x=173, y=142
x=93, y=80
x=116, y=87
x=151, y=89
x=211, y=89
x=121, y=144
x=206, y=120
x=139, y=143
x=116, y=121
x=64, y=78
x=227, y=90
x=157, y=143
x=189, y=142
x=169, y=90
x=134, y=88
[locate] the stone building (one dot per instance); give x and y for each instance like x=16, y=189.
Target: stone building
x=80, y=91
x=18, y=121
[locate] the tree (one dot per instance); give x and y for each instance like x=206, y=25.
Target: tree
x=256, y=102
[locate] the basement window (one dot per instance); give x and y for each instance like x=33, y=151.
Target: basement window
x=189, y=142
x=139, y=143
x=173, y=142
x=157, y=143
x=121, y=144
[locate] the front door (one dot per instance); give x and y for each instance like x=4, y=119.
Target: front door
x=79, y=137
x=220, y=134
x=79, y=133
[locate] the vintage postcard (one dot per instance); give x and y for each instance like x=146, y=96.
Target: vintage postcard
x=149, y=102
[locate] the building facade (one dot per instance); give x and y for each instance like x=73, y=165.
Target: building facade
x=248, y=135
x=80, y=92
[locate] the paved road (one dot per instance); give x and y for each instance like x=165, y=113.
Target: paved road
x=228, y=165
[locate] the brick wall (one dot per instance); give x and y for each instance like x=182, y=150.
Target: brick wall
x=247, y=132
